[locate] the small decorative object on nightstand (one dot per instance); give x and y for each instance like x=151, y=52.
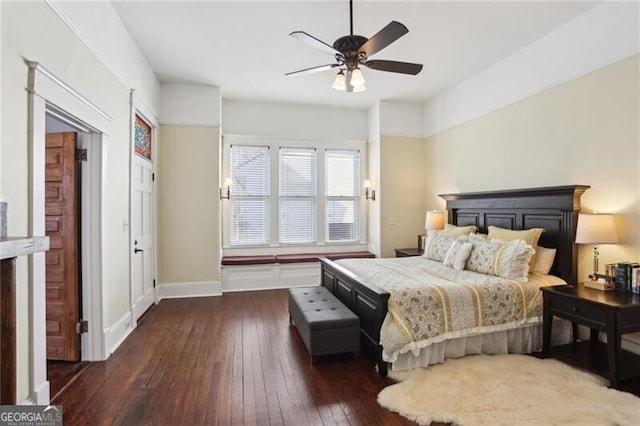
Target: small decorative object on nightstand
x=408, y=252
x=596, y=229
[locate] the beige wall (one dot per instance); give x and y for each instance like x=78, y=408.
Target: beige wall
x=585, y=131
x=401, y=192
x=188, y=205
x=33, y=31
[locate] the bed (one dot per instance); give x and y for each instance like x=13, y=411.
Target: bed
x=555, y=209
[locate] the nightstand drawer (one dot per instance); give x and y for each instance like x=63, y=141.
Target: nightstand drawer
x=578, y=311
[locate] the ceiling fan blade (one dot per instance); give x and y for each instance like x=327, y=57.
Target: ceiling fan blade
x=394, y=66
x=314, y=42
x=313, y=70
x=383, y=38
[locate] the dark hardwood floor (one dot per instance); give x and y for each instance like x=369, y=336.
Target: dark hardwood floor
x=62, y=373
x=225, y=360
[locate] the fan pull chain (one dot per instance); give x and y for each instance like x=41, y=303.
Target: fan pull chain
x=351, y=15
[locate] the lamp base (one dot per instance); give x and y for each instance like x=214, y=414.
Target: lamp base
x=605, y=286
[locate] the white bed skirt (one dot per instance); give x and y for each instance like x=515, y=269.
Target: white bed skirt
x=526, y=339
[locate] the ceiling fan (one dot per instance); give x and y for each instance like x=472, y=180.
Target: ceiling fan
x=351, y=51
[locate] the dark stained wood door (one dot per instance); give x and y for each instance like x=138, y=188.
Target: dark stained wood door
x=61, y=223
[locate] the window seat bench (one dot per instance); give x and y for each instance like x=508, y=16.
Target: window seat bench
x=262, y=272
x=291, y=258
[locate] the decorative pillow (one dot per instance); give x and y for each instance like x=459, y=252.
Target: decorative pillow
x=457, y=255
x=501, y=258
x=477, y=236
x=437, y=246
x=529, y=236
x=543, y=261
x=455, y=231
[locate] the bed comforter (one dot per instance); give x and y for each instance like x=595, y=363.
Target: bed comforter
x=431, y=302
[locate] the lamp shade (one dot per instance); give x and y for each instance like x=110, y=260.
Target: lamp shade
x=360, y=88
x=340, y=83
x=596, y=229
x=357, y=79
x=434, y=220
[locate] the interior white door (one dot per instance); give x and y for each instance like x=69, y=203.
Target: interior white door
x=142, y=250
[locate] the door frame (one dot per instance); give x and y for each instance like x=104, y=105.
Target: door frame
x=140, y=108
x=47, y=94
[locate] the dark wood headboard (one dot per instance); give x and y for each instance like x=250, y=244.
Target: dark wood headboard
x=553, y=208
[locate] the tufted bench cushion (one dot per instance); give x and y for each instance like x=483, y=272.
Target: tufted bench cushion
x=325, y=324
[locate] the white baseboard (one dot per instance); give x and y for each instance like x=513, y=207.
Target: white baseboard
x=267, y=277
x=30, y=401
x=115, y=335
x=41, y=395
x=188, y=289
x=631, y=342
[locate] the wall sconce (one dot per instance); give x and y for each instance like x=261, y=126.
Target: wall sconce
x=434, y=220
x=227, y=184
x=596, y=229
x=369, y=193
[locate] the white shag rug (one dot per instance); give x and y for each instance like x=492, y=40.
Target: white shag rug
x=508, y=390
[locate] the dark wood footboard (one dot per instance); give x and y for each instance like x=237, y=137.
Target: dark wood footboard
x=368, y=302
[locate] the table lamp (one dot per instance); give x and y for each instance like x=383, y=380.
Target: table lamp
x=434, y=220
x=596, y=229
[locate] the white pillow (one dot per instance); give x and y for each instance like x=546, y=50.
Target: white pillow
x=457, y=255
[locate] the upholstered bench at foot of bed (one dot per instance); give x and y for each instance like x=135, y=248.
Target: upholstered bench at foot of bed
x=325, y=324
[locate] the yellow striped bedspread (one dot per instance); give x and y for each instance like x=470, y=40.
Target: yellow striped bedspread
x=431, y=302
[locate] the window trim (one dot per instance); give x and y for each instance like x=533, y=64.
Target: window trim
x=274, y=144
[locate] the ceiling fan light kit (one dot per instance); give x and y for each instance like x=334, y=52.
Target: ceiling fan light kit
x=352, y=51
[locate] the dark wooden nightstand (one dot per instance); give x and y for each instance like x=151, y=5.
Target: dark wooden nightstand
x=407, y=252
x=614, y=313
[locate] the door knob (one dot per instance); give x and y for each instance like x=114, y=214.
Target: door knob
x=137, y=250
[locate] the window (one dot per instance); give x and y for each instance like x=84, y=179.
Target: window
x=342, y=175
x=250, y=172
x=297, y=222
x=293, y=193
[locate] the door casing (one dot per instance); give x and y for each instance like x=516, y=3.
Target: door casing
x=47, y=94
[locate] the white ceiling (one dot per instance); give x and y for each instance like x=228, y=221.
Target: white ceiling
x=245, y=49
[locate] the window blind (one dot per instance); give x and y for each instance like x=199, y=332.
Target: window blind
x=297, y=223
x=250, y=197
x=342, y=177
